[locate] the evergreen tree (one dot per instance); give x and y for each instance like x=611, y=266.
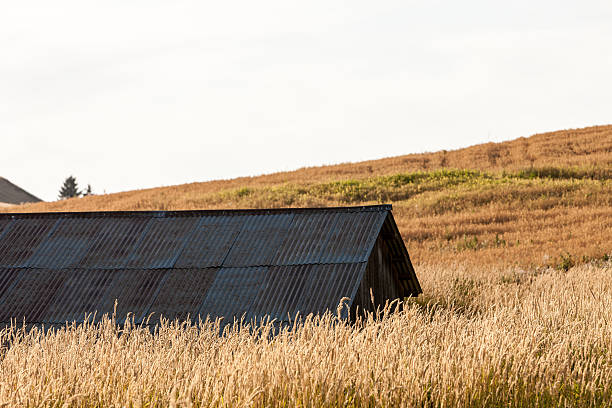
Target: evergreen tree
x=88, y=191
x=69, y=189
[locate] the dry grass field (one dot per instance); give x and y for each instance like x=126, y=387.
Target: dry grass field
x=477, y=338
x=511, y=243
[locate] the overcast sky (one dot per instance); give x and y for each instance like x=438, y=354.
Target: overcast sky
x=134, y=94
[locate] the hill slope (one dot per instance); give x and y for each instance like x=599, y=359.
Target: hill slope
x=542, y=200
x=11, y=194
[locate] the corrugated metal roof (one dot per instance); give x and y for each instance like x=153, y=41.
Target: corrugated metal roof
x=66, y=245
x=8, y=277
x=30, y=294
x=162, y=242
x=210, y=242
x=233, y=292
x=4, y=225
x=21, y=240
x=305, y=288
x=82, y=293
x=258, y=240
x=57, y=267
x=113, y=246
x=134, y=290
x=333, y=237
x=182, y=293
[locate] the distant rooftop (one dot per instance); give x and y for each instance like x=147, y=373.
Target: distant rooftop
x=12, y=194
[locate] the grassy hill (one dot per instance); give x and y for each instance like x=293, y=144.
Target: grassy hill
x=545, y=200
x=493, y=327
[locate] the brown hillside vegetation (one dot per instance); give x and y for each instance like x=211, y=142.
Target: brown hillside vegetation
x=494, y=326
x=542, y=200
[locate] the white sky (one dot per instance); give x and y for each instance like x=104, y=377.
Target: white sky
x=135, y=94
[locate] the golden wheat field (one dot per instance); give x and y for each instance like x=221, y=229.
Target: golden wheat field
x=478, y=337
x=511, y=243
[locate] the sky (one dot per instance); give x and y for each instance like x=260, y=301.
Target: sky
x=135, y=94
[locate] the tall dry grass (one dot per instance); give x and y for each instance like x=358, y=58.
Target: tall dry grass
x=480, y=337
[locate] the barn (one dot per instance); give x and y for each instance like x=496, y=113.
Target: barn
x=57, y=267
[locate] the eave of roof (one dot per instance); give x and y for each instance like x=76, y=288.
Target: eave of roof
x=187, y=213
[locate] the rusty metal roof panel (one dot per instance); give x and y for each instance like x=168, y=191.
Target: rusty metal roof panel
x=8, y=278
x=331, y=283
x=66, y=245
x=113, y=244
x=162, y=242
x=210, y=242
x=181, y=294
x=134, y=290
x=4, y=225
x=280, y=291
x=305, y=288
x=31, y=294
x=232, y=292
x=82, y=293
x=334, y=237
x=307, y=238
x=19, y=243
x=353, y=237
x=259, y=240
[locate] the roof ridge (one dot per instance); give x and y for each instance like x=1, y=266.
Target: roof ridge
x=204, y=212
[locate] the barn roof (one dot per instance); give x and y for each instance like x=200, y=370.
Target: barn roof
x=12, y=194
x=55, y=267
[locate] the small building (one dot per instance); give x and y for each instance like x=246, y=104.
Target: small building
x=12, y=194
x=56, y=267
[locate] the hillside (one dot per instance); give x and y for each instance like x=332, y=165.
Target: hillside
x=12, y=194
x=494, y=325
x=545, y=200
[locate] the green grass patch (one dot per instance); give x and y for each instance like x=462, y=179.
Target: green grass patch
x=440, y=191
